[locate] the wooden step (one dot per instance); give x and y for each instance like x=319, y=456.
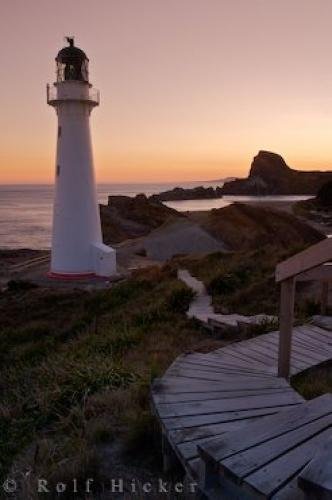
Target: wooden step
x=264, y=457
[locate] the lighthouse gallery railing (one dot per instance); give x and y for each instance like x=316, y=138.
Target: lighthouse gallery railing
x=52, y=94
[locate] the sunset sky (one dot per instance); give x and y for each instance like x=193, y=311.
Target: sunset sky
x=190, y=89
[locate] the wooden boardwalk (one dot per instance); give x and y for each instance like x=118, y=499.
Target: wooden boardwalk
x=203, y=396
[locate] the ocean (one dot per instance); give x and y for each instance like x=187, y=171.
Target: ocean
x=26, y=210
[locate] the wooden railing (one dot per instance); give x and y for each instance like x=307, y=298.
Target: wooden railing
x=314, y=263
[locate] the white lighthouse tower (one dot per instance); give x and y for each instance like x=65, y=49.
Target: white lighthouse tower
x=77, y=247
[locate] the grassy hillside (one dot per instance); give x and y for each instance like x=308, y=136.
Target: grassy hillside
x=244, y=282
x=76, y=370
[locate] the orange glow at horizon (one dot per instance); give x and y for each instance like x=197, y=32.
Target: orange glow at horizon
x=190, y=90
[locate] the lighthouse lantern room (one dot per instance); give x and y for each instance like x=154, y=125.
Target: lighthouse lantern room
x=77, y=247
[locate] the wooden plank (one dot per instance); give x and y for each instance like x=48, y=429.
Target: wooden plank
x=312, y=355
x=254, y=359
x=191, y=282
x=179, y=423
x=323, y=342
x=192, y=433
x=240, y=358
x=301, y=356
x=317, y=333
x=319, y=273
x=206, y=396
x=204, y=375
x=189, y=450
x=270, y=428
x=262, y=349
x=320, y=343
x=324, y=322
x=300, y=360
x=248, y=461
x=215, y=360
x=289, y=492
x=194, y=467
x=245, y=349
x=209, y=367
x=236, y=404
x=300, y=351
x=275, y=475
x=316, y=478
x=305, y=339
x=178, y=385
x=320, y=351
x=210, y=360
x=311, y=257
x=286, y=326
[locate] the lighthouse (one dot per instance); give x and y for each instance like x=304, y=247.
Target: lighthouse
x=77, y=246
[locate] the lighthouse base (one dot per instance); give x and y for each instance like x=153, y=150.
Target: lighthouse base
x=104, y=259
x=102, y=264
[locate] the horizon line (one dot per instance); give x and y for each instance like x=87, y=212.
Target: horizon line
x=119, y=183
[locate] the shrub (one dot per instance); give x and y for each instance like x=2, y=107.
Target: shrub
x=224, y=284
x=19, y=285
x=179, y=299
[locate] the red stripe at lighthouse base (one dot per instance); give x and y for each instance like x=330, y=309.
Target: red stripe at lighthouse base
x=72, y=276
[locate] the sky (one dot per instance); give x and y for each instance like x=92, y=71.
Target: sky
x=190, y=89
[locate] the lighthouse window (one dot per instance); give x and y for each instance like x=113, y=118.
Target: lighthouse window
x=59, y=131
x=57, y=170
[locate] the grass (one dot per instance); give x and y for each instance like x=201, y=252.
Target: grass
x=77, y=367
x=314, y=382
x=240, y=282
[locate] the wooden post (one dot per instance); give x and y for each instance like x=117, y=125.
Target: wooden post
x=286, y=326
x=170, y=460
x=324, y=297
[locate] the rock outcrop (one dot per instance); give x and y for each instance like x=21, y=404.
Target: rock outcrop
x=125, y=217
x=270, y=175
x=178, y=193
x=245, y=227
x=324, y=196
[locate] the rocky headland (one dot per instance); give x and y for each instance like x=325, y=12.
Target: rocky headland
x=270, y=175
x=197, y=193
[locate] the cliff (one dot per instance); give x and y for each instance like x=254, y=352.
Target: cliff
x=269, y=174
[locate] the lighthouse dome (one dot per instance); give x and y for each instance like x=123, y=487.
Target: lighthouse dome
x=72, y=63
